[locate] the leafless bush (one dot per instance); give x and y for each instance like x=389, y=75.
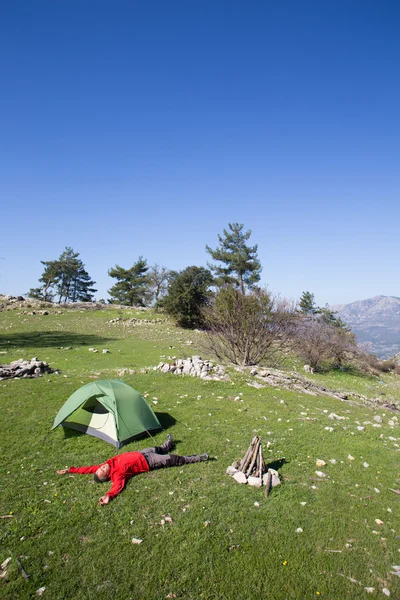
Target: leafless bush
x=370, y=364
x=246, y=329
x=319, y=341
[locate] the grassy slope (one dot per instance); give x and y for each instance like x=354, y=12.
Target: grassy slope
x=219, y=545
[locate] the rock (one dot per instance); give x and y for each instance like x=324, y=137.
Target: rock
x=3, y=567
x=336, y=417
x=106, y=351
x=275, y=478
x=231, y=470
x=24, y=368
x=195, y=367
x=320, y=463
x=254, y=481
x=240, y=477
x=320, y=474
x=377, y=419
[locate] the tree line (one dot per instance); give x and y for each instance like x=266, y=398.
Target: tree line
x=243, y=322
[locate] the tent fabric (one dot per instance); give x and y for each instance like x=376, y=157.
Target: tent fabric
x=108, y=409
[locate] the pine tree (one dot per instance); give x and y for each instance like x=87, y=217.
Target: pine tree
x=242, y=267
x=74, y=283
x=132, y=287
x=329, y=316
x=307, y=303
x=67, y=277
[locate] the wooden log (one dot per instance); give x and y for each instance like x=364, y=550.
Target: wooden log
x=253, y=458
x=261, y=463
x=268, y=483
x=247, y=458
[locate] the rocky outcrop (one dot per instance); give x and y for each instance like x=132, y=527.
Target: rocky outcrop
x=24, y=368
x=132, y=322
x=194, y=366
x=295, y=383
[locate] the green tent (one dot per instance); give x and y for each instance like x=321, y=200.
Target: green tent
x=108, y=409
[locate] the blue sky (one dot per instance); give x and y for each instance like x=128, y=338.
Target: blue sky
x=143, y=128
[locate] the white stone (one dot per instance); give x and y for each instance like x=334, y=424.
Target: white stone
x=366, y=465
x=320, y=463
x=231, y=470
x=378, y=522
x=240, y=477
x=377, y=419
x=275, y=478
x=320, y=474
x=335, y=417
x=136, y=541
x=299, y=530
x=333, y=461
x=386, y=592
x=254, y=481
x=369, y=590
x=361, y=428
x=350, y=457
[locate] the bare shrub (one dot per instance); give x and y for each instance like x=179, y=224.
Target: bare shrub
x=313, y=338
x=319, y=340
x=246, y=329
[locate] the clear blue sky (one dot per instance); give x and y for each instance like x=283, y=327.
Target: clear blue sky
x=134, y=128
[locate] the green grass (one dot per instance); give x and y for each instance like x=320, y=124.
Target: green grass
x=219, y=544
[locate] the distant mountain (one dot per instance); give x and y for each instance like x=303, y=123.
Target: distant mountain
x=376, y=322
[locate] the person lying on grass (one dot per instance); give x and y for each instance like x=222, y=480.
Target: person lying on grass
x=120, y=468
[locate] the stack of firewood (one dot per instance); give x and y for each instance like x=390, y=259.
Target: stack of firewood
x=253, y=463
x=251, y=469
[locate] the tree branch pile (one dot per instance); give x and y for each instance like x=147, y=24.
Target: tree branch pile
x=252, y=470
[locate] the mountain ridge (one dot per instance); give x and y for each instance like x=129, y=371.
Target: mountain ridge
x=375, y=322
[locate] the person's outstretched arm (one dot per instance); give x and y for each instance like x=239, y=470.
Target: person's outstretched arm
x=118, y=485
x=82, y=470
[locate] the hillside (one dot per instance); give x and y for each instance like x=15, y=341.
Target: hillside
x=375, y=321
x=328, y=530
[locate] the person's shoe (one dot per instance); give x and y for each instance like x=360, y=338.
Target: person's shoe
x=169, y=444
x=204, y=457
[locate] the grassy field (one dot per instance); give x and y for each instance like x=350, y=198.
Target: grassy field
x=224, y=541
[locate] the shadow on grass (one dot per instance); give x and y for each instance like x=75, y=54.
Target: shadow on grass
x=276, y=464
x=46, y=339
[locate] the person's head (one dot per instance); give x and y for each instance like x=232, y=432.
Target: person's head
x=102, y=473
